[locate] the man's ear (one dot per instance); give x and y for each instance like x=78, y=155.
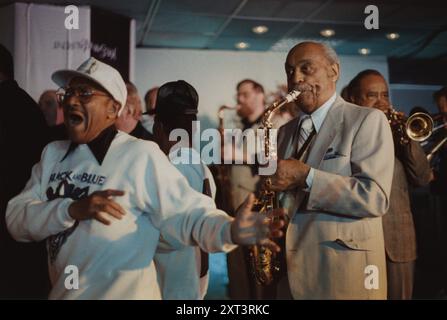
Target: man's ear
x=112, y=109
x=334, y=71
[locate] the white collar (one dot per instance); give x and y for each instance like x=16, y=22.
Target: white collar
x=320, y=114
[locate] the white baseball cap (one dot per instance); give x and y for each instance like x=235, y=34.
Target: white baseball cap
x=103, y=74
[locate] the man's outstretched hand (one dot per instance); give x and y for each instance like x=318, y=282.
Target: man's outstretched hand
x=99, y=205
x=250, y=227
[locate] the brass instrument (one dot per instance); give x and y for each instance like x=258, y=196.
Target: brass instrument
x=263, y=261
x=222, y=172
x=418, y=127
x=398, y=126
x=221, y=115
x=421, y=126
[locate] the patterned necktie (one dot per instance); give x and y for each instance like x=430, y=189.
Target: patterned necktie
x=305, y=135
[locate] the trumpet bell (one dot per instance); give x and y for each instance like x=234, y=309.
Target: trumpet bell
x=419, y=126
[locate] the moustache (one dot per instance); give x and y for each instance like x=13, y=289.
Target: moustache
x=301, y=87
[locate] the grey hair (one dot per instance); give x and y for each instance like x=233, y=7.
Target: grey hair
x=329, y=52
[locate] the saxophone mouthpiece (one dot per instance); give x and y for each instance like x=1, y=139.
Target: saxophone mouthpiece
x=292, y=95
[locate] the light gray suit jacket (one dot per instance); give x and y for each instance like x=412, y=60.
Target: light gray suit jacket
x=336, y=235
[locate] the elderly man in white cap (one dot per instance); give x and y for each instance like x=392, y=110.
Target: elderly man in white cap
x=103, y=200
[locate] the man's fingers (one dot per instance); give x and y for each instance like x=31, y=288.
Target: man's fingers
x=249, y=202
x=107, y=208
x=276, y=234
x=276, y=225
x=114, y=193
x=116, y=206
x=111, y=193
x=279, y=212
x=100, y=217
x=275, y=185
x=271, y=245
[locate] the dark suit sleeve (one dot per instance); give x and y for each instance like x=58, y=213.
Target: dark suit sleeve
x=415, y=163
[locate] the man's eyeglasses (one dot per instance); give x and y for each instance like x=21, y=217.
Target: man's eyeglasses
x=83, y=93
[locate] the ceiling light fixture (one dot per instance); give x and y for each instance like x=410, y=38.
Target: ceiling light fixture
x=364, y=51
x=327, y=33
x=260, y=29
x=392, y=36
x=241, y=45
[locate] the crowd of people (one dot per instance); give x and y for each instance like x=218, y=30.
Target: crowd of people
x=91, y=179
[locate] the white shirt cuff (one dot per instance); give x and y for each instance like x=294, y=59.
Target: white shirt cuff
x=228, y=244
x=63, y=216
x=309, y=179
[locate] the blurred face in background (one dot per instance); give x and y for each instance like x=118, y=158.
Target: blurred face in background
x=150, y=100
x=249, y=100
x=442, y=105
x=131, y=113
x=373, y=92
x=49, y=106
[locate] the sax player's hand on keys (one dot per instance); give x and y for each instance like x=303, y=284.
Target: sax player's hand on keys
x=98, y=206
x=289, y=174
x=250, y=227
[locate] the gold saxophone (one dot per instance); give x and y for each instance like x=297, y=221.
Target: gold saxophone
x=264, y=262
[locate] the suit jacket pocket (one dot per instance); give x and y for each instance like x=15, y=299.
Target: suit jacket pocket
x=357, y=234
x=357, y=245
x=340, y=165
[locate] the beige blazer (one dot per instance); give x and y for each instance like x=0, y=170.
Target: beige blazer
x=337, y=234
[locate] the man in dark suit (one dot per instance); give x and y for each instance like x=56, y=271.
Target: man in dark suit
x=23, y=134
x=439, y=185
x=411, y=168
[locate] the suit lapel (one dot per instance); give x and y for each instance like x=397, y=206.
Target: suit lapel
x=328, y=131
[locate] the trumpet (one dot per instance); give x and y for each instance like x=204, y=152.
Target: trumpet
x=420, y=126
x=398, y=126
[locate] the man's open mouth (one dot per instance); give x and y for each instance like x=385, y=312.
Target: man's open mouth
x=75, y=118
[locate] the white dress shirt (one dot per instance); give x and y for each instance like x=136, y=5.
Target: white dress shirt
x=318, y=117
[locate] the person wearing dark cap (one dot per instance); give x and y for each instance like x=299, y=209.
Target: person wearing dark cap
x=103, y=199
x=23, y=134
x=183, y=274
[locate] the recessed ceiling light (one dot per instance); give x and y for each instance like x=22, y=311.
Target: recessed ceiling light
x=241, y=45
x=364, y=51
x=327, y=33
x=392, y=36
x=260, y=29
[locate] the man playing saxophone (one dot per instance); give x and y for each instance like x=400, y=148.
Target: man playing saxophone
x=411, y=168
x=334, y=240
